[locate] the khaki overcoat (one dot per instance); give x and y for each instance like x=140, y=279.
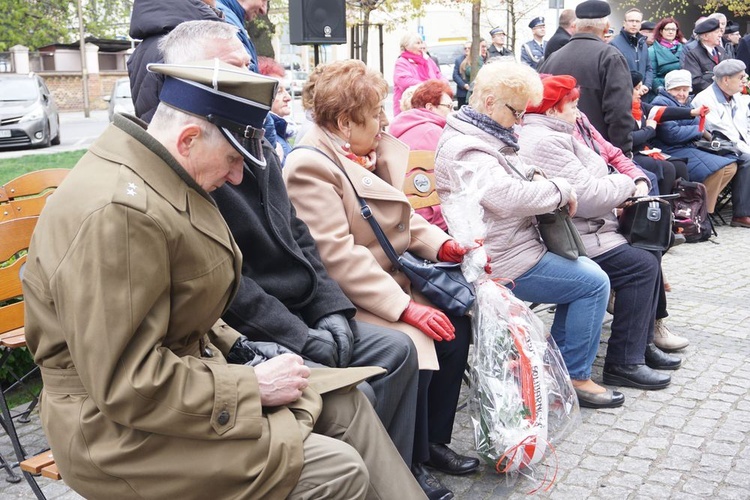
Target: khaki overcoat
x=130, y=267
x=327, y=202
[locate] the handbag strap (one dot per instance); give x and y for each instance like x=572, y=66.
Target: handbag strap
x=366, y=213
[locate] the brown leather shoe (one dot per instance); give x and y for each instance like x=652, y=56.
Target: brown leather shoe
x=740, y=221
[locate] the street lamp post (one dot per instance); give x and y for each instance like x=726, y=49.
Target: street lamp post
x=84, y=70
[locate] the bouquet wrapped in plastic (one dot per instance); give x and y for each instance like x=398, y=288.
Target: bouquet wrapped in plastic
x=521, y=400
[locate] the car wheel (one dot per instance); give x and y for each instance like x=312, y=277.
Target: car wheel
x=56, y=140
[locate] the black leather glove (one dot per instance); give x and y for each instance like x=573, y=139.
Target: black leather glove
x=342, y=333
x=321, y=348
x=251, y=353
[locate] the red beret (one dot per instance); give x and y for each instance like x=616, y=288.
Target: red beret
x=555, y=88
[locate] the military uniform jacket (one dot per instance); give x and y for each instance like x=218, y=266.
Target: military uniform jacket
x=606, y=87
x=532, y=53
x=130, y=267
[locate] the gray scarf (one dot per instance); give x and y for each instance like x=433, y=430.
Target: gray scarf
x=487, y=124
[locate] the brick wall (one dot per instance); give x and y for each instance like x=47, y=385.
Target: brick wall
x=67, y=89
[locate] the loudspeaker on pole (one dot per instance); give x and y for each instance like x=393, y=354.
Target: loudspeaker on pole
x=317, y=22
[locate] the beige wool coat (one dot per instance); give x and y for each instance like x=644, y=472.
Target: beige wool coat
x=130, y=268
x=327, y=202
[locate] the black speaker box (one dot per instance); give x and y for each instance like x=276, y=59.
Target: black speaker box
x=317, y=22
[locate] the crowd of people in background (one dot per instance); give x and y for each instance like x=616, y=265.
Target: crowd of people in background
x=270, y=267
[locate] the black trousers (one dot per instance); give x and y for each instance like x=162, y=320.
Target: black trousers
x=635, y=276
x=666, y=171
x=439, y=391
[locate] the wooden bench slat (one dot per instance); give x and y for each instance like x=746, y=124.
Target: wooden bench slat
x=35, y=464
x=52, y=472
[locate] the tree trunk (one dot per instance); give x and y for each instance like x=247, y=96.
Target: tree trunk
x=476, y=8
x=365, y=35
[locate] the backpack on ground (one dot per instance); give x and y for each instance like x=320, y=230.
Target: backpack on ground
x=690, y=212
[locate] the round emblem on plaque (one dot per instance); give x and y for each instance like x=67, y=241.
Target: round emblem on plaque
x=422, y=183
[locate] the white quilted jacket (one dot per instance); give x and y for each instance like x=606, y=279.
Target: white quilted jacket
x=549, y=141
x=509, y=201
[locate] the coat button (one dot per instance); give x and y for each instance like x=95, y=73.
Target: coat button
x=223, y=417
x=367, y=181
x=400, y=227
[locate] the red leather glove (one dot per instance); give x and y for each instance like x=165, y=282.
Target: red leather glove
x=432, y=322
x=451, y=251
x=703, y=111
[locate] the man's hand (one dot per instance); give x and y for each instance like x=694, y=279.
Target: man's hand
x=343, y=333
x=321, y=347
x=281, y=380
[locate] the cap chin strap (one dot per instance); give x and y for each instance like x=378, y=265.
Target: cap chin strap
x=241, y=135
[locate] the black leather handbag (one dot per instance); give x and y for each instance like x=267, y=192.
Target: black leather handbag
x=718, y=145
x=559, y=234
x=647, y=223
x=442, y=283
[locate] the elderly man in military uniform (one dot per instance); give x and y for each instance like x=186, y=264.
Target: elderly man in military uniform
x=285, y=295
x=532, y=52
x=129, y=270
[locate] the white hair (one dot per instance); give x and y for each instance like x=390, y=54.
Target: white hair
x=409, y=39
x=167, y=121
x=188, y=41
x=595, y=26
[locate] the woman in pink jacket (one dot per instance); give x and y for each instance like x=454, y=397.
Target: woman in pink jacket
x=421, y=127
x=412, y=68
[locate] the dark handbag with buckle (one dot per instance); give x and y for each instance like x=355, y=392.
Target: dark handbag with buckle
x=718, y=145
x=560, y=235
x=647, y=223
x=442, y=283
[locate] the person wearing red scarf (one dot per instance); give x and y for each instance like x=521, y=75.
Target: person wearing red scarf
x=412, y=68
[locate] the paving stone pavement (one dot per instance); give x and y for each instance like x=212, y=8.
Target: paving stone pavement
x=688, y=441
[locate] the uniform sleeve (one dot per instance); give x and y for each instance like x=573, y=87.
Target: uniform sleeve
x=317, y=196
x=113, y=301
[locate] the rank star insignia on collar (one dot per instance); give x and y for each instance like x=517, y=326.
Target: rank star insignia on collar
x=131, y=189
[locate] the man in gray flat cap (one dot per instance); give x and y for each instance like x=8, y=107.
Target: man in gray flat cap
x=602, y=74
x=730, y=117
x=700, y=61
x=129, y=270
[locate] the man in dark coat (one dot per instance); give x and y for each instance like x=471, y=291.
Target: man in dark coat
x=633, y=46
x=602, y=74
x=701, y=60
x=149, y=22
x=743, y=50
x=285, y=294
x=565, y=29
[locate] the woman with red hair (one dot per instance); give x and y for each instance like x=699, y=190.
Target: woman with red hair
x=421, y=127
x=634, y=274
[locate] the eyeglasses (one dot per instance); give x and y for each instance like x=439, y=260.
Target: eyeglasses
x=516, y=113
x=669, y=29
x=449, y=106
